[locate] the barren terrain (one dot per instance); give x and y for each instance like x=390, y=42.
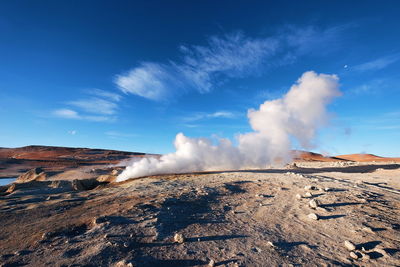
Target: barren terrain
x=75, y=215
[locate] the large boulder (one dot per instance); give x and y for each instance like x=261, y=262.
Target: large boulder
x=36, y=174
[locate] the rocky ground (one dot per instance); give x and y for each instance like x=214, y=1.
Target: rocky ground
x=312, y=214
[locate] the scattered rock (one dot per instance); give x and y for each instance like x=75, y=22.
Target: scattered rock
x=305, y=247
x=310, y=187
x=292, y=165
x=354, y=255
x=368, y=229
x=179, y=238
x=11, y=188
x=327, y=189
x=365, y=257
x=211, y=263
x=123, y=263
x=107, y=178
x=116, y=172
x=271, y=244
x=298, y=196
x=349, y=245
x=308, y=195
x=313, y=216
x=36, y=174
x=322, y=209
x=46, y=235
x=314, y=203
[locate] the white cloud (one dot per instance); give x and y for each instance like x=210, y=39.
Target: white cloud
x=66, y=113
x=201, y=67
x=95, y=105
x=377, y=64
x=371, y=87
x=149, y=80
x=105, y=94
x=217, y=114
x=101, y=107
x=72, y=132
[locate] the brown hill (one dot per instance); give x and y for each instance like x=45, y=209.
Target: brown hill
x=14, y=161
x=366, y=158
x=300, y=155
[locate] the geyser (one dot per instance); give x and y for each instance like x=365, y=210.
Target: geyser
x=295, y=116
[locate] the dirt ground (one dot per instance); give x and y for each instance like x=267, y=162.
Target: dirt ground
x=231, y=218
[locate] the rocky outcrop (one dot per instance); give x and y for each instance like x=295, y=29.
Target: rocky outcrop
x=36, y=174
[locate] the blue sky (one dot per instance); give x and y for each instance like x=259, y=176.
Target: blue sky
x=130, y=75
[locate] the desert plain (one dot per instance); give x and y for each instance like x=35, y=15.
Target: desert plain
x=65, y=208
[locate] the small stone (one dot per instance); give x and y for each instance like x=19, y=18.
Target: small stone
x=310, y=187
x=126, y=244
x=365, y=257
x=349, y=245
x=314, y=203
x=106, y=236
x=179, y=238
x=313, y=216
x=298, y=196
x=211, y=263
x=123, y=263
x=308, y=195
x=46, y=235
x=368, y=229
x=305, y=247
x=353, y=255
x=48, y=198
x=327, y=189
x=321, y=209
x=271, y=244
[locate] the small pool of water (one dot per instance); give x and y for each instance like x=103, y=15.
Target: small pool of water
x=6, y=181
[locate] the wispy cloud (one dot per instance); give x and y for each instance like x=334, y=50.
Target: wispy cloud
x=101, y=106
x=65, y=113
x=377, y=64
x=105, y=94
x=369, y=87
x=95, y=105
x=203, y=67
x=218, y=114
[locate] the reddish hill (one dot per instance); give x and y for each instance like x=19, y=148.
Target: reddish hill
x=365, y=158
x=311, y=156
x=14, y=161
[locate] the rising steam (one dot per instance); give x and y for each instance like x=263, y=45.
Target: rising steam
x=295, y=116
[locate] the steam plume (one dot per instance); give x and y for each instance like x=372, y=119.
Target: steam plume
x=297, y=115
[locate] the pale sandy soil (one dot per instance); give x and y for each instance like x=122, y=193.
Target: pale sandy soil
x=228, y=217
